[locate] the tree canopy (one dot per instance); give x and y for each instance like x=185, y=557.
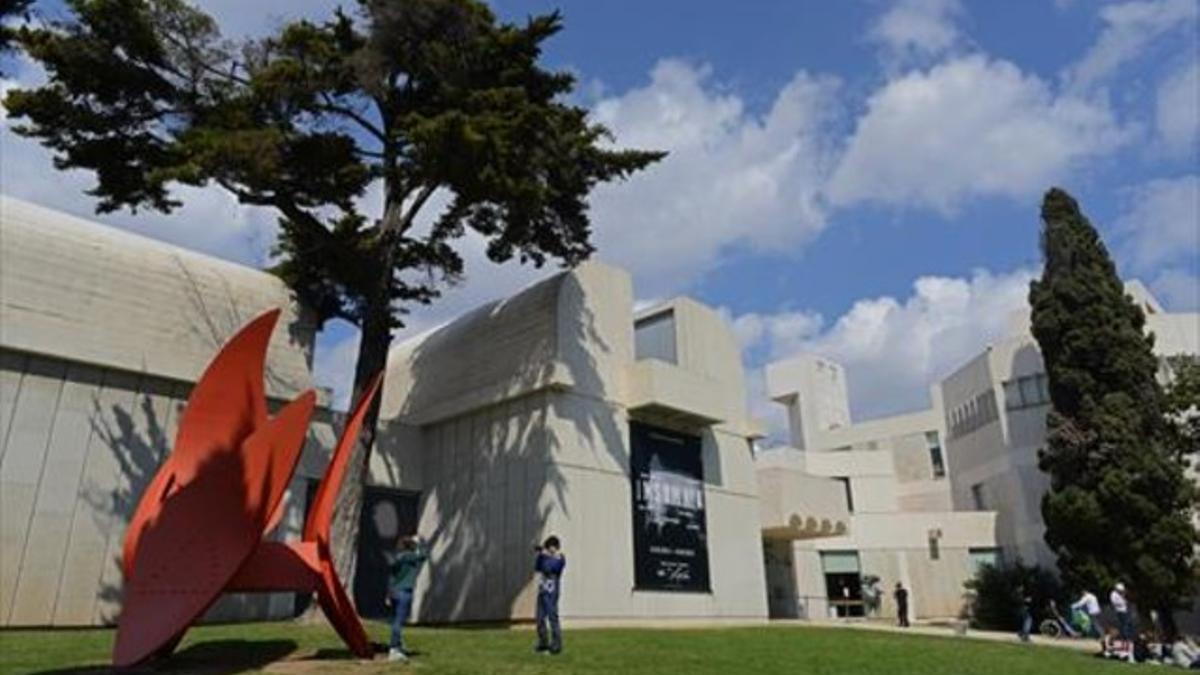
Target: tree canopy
x=405, y=97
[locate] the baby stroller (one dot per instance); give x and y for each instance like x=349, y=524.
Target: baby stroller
x=1057, y=625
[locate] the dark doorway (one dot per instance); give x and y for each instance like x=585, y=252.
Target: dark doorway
x=844, y=592
x=387, y=515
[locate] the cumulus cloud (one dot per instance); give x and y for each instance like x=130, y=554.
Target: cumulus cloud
x=1158, y=235
x=1178, y=289
x=783, y=333
x=1178, y=113
x=1129, y=28
x=914, y=29
x=968, y=127
x=333, y=362
x=1161, y=223
x=732, y=179
x=893, y=349
x=210, y=220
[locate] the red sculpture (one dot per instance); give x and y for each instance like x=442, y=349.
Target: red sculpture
x=198, y=529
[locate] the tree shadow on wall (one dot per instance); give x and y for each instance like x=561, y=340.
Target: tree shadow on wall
x=179, y=543
x=138, y=432
x=492, y=477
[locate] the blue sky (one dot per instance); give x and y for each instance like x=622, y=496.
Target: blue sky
x=858, y=178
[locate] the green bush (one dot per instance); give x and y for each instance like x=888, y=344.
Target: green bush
x=997, y=597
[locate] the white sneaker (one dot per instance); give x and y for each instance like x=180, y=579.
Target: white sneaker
x=397, y=655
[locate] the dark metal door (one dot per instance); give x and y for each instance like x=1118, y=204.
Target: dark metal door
x=387, y=515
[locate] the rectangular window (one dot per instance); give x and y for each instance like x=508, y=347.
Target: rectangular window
x=839, y=562
x=982, y=557
x=654, y=337
x=849, y=492
x=936, y=461
x=1043, y=386
x=1029, y=392
x=977, y=497
x=1012, y=395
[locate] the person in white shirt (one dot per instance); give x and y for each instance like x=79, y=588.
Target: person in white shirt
x=1120, y=605
x=1089, y=604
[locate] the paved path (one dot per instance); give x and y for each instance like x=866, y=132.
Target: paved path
x=943, y=630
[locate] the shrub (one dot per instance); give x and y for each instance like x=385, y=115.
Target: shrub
x=997, y=597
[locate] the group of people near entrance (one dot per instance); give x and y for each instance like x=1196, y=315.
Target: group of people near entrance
x=405, y=564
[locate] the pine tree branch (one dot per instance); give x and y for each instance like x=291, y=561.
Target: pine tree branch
x=287, y=207
x=402, y=224
x=332, y=107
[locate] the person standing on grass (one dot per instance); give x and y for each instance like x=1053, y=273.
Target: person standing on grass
x=1089, y=604
x=1120, y=605
x=901, y=596
x=403, y=567
x=549, y=565
x=1026, y=614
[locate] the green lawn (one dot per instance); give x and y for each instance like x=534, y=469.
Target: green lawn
x=290, y=648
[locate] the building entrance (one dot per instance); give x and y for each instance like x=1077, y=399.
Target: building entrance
x=843, y=583
x=387, y=514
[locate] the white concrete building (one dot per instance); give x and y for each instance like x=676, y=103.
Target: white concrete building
x=559, y=411
x=961, y=476
x=995, y=409
x=102, y=334
x=893, y=483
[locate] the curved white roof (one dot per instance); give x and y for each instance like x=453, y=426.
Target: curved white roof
x=82, y=291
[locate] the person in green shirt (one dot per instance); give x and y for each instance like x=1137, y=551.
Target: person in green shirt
x=403, y=567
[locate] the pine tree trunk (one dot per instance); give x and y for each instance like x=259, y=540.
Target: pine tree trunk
x=372, y=358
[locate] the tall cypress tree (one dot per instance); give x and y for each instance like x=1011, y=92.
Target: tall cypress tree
x=1119, y=504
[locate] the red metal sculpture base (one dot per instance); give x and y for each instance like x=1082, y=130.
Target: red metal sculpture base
x=198, y=530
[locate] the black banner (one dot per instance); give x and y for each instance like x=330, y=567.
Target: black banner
x=670, y=542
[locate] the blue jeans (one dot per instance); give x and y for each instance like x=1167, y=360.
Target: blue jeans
x=1026, y=625
x=402, y=602
x=547, y=622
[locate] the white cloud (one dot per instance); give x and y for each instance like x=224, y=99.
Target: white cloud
x=333, y=361
x=732, y=179
x=1179, y=110
x=913, y=29
x=783, y=333
x=210, y=220
x=1129, y=28
x=1161, y=223
x=1178, y=289
x=969, y=127
x=267, y=15
x=894, y=349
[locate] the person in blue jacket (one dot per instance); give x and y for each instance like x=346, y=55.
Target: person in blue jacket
x=549, y=565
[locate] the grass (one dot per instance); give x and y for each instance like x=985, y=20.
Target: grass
x=294, y=648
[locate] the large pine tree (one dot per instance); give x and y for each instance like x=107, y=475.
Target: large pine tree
x=1120, y=503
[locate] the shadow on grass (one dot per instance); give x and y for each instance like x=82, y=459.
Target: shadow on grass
x=217, y=657
x=341, y=654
